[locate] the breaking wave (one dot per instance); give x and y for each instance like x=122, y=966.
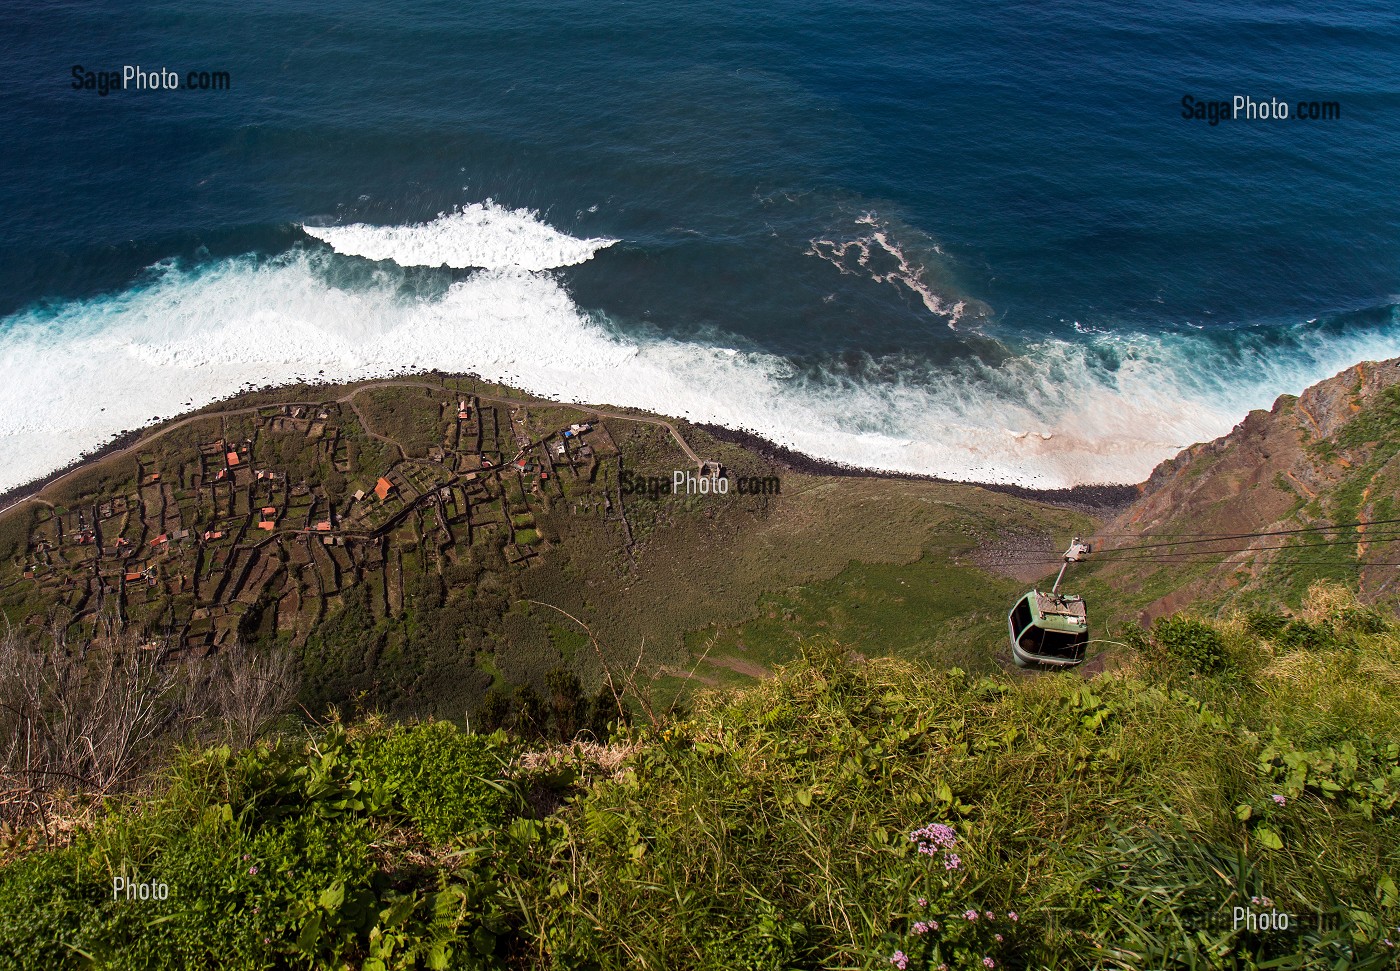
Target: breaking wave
x=481, y=235
x=1057, y=413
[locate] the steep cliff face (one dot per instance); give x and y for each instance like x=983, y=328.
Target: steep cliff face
x=1328, y=457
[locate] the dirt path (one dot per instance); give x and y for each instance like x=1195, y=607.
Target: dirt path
x=369, y=429
x=741, y=666
x=599, y=412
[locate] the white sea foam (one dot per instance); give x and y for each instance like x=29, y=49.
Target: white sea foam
x=903, y=272
x=1050, y=417
x=481, y=235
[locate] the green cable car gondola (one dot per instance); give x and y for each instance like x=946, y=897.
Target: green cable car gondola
x=1051, y=629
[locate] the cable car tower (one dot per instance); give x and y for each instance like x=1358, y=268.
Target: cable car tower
x=1051, y=629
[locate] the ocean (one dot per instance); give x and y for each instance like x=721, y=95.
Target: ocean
x=977, y=241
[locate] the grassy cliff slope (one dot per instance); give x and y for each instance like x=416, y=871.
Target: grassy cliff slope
x=840, y=814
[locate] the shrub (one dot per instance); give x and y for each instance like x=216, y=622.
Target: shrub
x=1363, y=620
x=841, y=814
x=1192, y=642
x=289, y=855
x=1134, y=636
x=41, y=907
x=1361, y=773
x=1299, y=635
x=1265, y=624
x=448, y=782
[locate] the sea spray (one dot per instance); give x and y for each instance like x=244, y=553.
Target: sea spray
x=1051, y=414
x=482, y=235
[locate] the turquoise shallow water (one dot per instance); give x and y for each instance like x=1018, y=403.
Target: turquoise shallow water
x=973, y=241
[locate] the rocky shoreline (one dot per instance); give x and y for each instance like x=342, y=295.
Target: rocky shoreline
x=1096, y=499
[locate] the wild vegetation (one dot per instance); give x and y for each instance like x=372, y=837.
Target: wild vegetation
x=1299, y=494
x=87, y=720
x=844, y=813
x=473, y=575
x=549, y=725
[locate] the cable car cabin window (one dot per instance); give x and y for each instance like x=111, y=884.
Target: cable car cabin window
x=1021, y=615
x=1050, y=643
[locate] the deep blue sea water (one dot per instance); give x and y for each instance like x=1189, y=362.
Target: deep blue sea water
x=975, y=240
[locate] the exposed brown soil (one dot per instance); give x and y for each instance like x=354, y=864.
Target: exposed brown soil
x=751, y=669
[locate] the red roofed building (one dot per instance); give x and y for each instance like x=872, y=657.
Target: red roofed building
x=267, y=524
x=324, y=526
x=232, y=458
x=382, y=488
x=160, y=540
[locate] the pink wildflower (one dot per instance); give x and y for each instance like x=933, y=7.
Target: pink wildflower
x=933, y=925
x=934, y=837
x=969, y=915
x=1280, y=799
x=988, y=963
x=991, y=916
x=900, y=960
x=923, y=902
x=1013, y=916
x=999, y=938
x=920, y=928
x=952, y=861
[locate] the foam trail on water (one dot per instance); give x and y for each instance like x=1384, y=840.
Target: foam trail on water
x=900, y=270
x=481, y=235
x=1052, y=417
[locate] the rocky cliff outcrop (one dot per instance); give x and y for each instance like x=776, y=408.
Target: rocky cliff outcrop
x=1326, y=457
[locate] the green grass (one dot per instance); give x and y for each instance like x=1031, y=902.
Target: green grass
x=352, y=848
x=770, y=829
x=695, y=564
x=1121, y=818
x=410, y=416
x=932, y=610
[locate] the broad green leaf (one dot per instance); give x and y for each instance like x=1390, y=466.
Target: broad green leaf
x=333, y=896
